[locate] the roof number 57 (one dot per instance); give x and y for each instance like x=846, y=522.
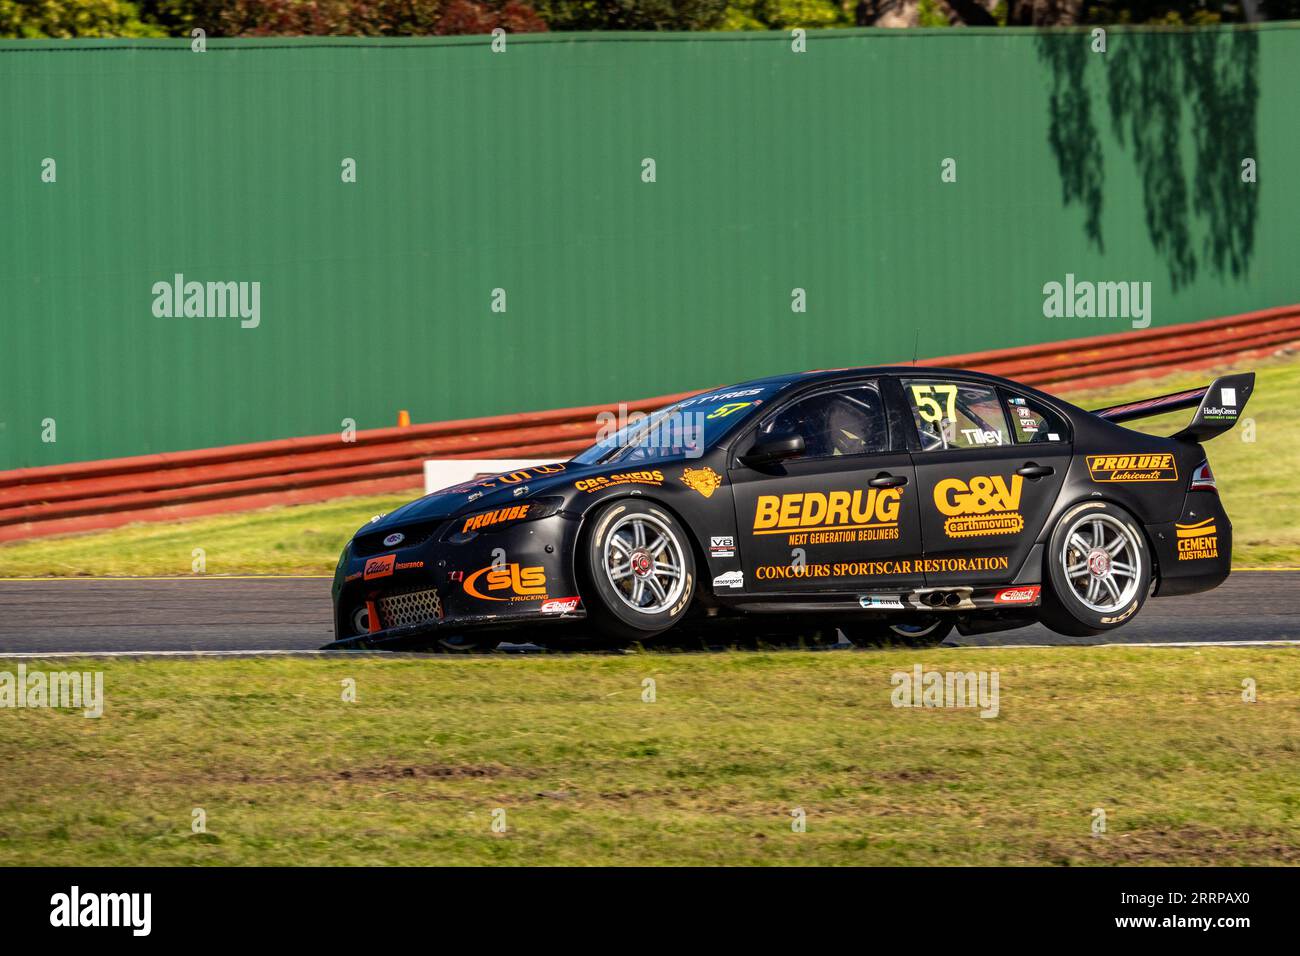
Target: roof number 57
x=928, y=408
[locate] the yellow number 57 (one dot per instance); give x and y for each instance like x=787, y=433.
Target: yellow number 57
x=928, y=408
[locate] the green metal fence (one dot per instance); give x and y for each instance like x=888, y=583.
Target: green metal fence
x=524, y=171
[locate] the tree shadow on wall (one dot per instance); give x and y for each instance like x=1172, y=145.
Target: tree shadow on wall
x=1156, y=84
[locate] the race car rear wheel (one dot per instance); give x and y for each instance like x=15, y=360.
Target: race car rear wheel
x=638, y=569
x=926, y=631
x=1098, y=568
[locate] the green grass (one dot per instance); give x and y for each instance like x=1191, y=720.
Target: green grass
x=588, y=773
x=298, y=539
x=1255, y=479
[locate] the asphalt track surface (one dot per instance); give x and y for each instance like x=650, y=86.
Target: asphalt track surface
x=132, y=615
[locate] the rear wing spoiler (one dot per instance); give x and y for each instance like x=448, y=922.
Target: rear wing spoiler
x=1218, y=406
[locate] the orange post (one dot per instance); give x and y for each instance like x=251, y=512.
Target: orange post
x=403, y=419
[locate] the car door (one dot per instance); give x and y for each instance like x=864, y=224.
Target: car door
x=841, y=516
x=989, y=466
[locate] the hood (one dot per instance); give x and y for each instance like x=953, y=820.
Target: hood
x=480, y=494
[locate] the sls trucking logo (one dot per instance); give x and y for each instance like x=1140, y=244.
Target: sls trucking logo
x=208, y=300
x=983, y=505
x=75, y=908
x=512, y=583
x=830, y=518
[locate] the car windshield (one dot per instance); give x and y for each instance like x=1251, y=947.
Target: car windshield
x=684, y=429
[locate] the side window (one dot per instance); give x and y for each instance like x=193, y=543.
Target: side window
x=1032, y=421
x=850, y=421
x=956, y=414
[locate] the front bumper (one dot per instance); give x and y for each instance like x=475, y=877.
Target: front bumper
x=505, y=578
x=409, y=636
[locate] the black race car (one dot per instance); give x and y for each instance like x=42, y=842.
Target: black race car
x=898, y=500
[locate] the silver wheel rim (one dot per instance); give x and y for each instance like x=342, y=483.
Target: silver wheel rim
x=1102, y=562
x=644, y=563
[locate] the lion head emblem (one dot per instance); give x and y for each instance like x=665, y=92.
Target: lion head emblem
x=704, y=480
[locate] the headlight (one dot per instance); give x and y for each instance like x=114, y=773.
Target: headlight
x=467, y=526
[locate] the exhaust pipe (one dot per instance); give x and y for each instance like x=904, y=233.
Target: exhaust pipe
x=952, y=599
x=934, y=599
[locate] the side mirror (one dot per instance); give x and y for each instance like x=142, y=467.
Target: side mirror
x=774, y=449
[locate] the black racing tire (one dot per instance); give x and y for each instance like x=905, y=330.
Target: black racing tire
x=658, y=587
x=1079, y=600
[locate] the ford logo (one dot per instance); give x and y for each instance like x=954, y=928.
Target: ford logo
x=395, y=538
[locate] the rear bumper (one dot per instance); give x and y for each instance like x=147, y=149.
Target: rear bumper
x=1193, y=553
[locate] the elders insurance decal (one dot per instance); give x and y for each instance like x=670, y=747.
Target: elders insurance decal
x=984, y=505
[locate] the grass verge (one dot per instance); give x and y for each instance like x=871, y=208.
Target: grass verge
x=1255, y=479
x=709, y=773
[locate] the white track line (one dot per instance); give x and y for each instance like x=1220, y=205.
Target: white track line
x=268, y=653
x=1013, y=647
x=5, y=655
x=1280, y=640
x=187, y=577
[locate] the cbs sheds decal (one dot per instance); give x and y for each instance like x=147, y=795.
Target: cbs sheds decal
x=627, y=478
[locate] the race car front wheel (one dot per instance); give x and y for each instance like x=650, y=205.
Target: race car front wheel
x=638, y=568
x=1098, y=569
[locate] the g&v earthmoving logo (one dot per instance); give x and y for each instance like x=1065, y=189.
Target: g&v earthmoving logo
x=1155, y=467
x=1199, y=540
x=986, y=504
x=832, y=517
